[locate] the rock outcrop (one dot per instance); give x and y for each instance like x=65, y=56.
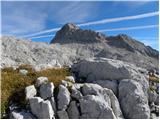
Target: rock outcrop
x=72, y=44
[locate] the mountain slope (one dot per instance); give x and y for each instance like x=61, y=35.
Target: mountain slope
x=120, y=47
x=72, y=44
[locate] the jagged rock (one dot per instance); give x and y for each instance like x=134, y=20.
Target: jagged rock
x=110, y=84
x=46, y=90
x=75, y=93
x=152, y=96
x=94, y=107
x=133, y=101
x=23, y=114
x=23, y=72
x=41, y=80
x=70, y=78
x=53, y=103
x=30, y=91
x=62, y=114
x=63, y=97
x=115, y=104
x=41, y=109
x=73, y=111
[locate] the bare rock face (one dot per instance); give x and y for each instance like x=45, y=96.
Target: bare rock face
x=70, y=33
x=72, y=44
x=133, y=101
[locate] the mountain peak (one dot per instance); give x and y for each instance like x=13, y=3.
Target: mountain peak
x=70, y=33
x=70, y=26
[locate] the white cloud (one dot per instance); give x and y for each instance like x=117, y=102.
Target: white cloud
x=134, y=17
x=43, y=36
x=100, y=22
x=20, y=18
x=76, y=12
x=128, y=28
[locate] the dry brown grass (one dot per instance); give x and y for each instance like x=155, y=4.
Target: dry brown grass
x=154, y=79
x=13, y=83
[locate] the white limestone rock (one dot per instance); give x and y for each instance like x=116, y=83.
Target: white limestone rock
x=53, y=103
x=23, y=114
x=46, y=90
x=94, y=107
x=70, y=78
x=133, y=101
x=62, y=114
x=73, y=111
x=110, y=84
x=75, y=93
x=30, y=91
x=115, y=104
x=41, y=80
x=40, y=108
x=63, y=98
x=23, y=71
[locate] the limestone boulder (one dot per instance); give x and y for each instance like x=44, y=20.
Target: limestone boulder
x=46, y=90
x=133, y=101
x=30, y=91
x=40, y=108
x=63, y=98
x=73, y=111
x=94, y=107
x=41, y=80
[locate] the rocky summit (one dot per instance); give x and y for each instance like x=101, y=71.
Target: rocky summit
x=112, y=77
x=72, y=44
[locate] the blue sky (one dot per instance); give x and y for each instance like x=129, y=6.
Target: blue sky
x=39, y=21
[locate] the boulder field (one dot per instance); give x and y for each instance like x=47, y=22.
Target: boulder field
x=98, y=89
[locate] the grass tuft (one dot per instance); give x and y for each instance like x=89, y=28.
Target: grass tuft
x=13, y=83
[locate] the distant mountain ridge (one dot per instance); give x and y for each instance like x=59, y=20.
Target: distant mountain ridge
x=72, y=44
x=70, y=33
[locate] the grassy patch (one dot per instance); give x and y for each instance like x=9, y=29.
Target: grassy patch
x=154, y=79
x=13, y=83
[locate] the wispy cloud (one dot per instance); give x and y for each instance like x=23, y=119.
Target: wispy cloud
x=21, y=18
x=129, y=28
x=76, y=12
x=41, y=32
x=100, y=22
x=151, y=14
x=42, y=36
